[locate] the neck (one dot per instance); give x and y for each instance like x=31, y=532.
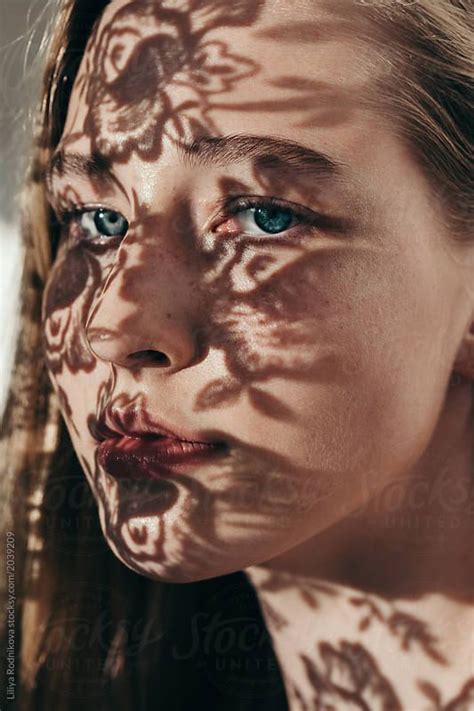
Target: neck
x=378, y=611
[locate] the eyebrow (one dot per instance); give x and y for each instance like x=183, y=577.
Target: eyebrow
x=270, y=151
x=96, y=165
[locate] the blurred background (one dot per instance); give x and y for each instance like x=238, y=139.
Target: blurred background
x=22, y=38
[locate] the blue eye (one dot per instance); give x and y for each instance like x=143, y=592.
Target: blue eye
x=103, y=223
x=272, y=219
x=264, y=216
x=110, y=223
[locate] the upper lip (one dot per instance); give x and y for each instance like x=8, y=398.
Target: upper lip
x=136, y=422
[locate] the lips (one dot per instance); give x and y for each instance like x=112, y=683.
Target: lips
x=132, y=445
x=152, y=457
x=135, y=421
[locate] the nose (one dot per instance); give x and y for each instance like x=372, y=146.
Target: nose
x=145, y=317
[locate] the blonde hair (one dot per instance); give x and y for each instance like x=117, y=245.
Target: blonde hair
x=428, y=90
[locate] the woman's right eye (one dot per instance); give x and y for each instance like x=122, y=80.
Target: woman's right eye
x=98, y=224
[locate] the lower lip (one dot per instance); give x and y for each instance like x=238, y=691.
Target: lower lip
x=151, y=458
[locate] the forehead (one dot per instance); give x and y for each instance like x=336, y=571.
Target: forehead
x=175, y=69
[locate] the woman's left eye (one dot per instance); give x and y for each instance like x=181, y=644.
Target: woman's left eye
x=262, y=218
x=102, y=223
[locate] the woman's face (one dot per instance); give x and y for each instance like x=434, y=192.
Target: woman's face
x=313, y=335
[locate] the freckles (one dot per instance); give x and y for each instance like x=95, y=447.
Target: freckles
x=280, y=322
x=269, y=322
x=252, y=271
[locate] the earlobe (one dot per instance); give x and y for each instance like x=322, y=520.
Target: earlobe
x=464, y=363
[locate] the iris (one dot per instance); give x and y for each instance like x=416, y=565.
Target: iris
x=110, y=223
x=273, y=219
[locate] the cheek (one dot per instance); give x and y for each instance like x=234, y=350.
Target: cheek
x=69, y=292
x=275, y=311
x=325, y=315
x=76, y=373
x=336, y=336
x=75, y=281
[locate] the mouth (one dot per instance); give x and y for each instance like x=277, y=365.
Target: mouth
x=151, y=457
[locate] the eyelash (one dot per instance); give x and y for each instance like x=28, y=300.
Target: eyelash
x=235, y=206
x=228, y=207
x=66, y=216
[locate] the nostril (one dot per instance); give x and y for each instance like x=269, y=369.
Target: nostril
x=149, y=357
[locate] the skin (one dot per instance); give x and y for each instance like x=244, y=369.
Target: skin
x=324, y=355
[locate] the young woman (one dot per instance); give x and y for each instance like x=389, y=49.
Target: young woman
x=249, y=225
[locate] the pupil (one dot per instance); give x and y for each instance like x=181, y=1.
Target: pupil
x=110, y=223
x=273, y=219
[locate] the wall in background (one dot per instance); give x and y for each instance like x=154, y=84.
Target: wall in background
x=22, y=33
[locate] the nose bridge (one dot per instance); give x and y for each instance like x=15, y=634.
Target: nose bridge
x=146, y=312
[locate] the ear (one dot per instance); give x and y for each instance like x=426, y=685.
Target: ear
x=464, y=363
